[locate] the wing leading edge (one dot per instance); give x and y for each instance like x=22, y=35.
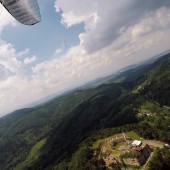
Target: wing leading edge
x=26, y=12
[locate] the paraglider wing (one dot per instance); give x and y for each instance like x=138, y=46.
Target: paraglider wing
x=25, y=11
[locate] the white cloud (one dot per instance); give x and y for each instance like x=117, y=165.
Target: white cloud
x=111, y=48
x=5, y=19
x=8, y=58
x=30, y=60
x=4, y=73
x=152, y=22
x=103, y=20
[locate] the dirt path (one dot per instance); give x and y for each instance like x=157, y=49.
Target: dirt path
x=167, y=107
x=154, y=143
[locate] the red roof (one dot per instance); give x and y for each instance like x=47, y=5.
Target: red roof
x=138, y=148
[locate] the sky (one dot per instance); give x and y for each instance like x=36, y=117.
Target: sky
x=76, y=42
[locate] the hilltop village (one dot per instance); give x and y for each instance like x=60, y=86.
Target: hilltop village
x=126, y=150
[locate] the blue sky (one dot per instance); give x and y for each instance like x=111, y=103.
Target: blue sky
x=45, y=37
x=101, y=37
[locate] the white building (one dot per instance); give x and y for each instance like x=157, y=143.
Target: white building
x=136, y=143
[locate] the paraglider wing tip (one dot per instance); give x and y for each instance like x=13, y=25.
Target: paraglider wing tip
x=27, y=12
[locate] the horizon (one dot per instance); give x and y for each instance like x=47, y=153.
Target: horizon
x=35, y=62
x=52, y=97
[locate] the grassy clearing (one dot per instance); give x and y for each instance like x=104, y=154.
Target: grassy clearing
x=120, y=145
x=97, y=143
x=32, y=156
x=154, y=143
x=133, y=135
x=109, y=148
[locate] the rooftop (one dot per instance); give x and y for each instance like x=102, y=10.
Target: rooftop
x=137, y=143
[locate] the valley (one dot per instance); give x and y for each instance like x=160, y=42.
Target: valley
x=80, y=130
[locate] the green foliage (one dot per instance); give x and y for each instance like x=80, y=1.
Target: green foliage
x=160, y=160
x=81, y=158
x=33, y=155
x=93, y=114
x=22, y=129
x=133, y=135
x=158, y=87
x=73, y=122
x=128, y=155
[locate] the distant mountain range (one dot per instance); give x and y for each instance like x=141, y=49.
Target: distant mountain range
x=114, y=77
x=101, y=80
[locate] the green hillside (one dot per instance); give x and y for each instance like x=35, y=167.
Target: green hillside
x=59, y=134
x=22, y=129
x=158, y=88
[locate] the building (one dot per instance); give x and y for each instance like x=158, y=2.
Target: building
x=145, y=154
x=141, y=156
x=136, y=143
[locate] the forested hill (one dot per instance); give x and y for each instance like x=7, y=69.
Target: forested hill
x=46, y=136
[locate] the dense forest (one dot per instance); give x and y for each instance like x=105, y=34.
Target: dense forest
x=58, y=134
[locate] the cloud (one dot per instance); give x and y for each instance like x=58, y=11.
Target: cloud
x=116, y=34
x=8, y=58
x=5, y=19
x=4, y=73
x=104, y=20
x=30, y=60
x=77, y=66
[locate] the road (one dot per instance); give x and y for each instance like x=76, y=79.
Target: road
x=154, y=143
